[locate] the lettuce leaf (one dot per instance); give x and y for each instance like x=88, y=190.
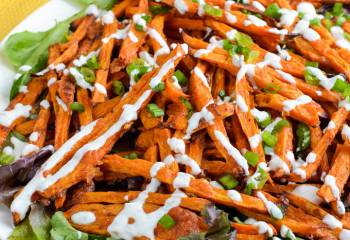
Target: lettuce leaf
x=39, y=221
x=104, y=4
x=23, y=231
x=29, y=48
x=61, y=229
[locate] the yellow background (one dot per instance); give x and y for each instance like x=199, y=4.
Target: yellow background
x=12, y=12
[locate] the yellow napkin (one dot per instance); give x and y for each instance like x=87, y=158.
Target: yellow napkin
x=12, y=12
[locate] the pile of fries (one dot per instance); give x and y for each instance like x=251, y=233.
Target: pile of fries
x=190, y=103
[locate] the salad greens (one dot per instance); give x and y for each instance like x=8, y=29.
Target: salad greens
x=32, y=48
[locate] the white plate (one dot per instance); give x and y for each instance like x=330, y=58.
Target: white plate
x=40, y=20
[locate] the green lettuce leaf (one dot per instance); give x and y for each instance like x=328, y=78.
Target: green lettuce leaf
x=104, y=4
x=28, y=48
x=39, y=221
x=62, y=230
x=23, y=231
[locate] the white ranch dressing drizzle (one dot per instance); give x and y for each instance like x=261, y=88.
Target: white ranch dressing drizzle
x=83, y=59
x=230, y=17
x=100, y=88
x=51, y=81
x=344, y=234
x=259, y=115
x=166, y=67
x=289, y=105
x=198, y=72
x=61, y=103
x=181, y=6
x=232, y=151
x=258, y=6
x=325, y=82
x=287, y=17
x=286, y=231
x=45, y=104
x=331, y=125
x=34, y=136
x=332, y=222
x=255, y=140
x=241, y=103
x=262, y=226
x=330, y=181
x=132, y=36
x=283, y=53
x=234, y=195
x=308, y=192
x=193, y=122
x=286, y=76
x=340, y=40
x=108, y=18
x=7, y=118
x=119, y=34
x=182, y=180
x=79, y=79
x=23, y=89
x=83, y=218
x=303, y=26
x=254, y=20
x=270, y=206
x=346, y=131
x=154, y=34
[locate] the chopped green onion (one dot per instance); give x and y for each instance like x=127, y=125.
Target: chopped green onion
x=160, y=87
x=328, y=15
x=273, y=10
x=77, y=107
x=338, y=9
x=167, y=222
x=139, y=27
x=251, y=57
x=6, y=159
x=256, y=181
x=93, y=63
x=226, y=44
x=272, y=88
x=347, y=36
x=237, y=220
x=222, y=94
x=228, y=181
x=18, y=136
x=212, y=11
x=147, y=18
x=156, y=9
x=188, y=106
x=265, y=122
x=340, y=21
x=252, y=158
x=301, y=15
x=311, y=64
x=328, y=23
x=118, y=88
x=181, y=78
x=243, y=40
x=89, y=74
x=269, y=139
x=315, y=22
x=303, y=137
x=140, y=66
x=155, y=110
x=132, y=155
x=280, y=125
x=339, y=85
x=310, y=78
